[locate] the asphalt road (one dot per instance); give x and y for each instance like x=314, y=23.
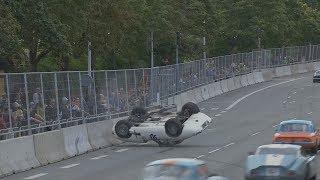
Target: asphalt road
x=247, y=124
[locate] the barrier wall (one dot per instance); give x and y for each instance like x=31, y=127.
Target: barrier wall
x=76, y=140
x=230, y=84
x=17, y=155
x=100, y=134
x=237, y=82
x=250, y=78
x=244, y=80
x=49, y=147
x=224, y=86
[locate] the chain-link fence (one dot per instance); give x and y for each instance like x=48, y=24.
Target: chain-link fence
x=36, y=102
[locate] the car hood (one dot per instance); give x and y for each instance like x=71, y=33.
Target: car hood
x=256, y=161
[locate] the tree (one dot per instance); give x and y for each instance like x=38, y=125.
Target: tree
x=40, y=32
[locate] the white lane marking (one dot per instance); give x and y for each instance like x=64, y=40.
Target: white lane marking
x=289, y=97
x=199, y=157
x=254, y=134
x=284, y=102
x=275, y=125
x=294, y=93
x=69, y=166
x=214, y=108
x=99, y=157
x=293, y=101
x=121, y=150
x=254, y=92
x=202, y=109
x=215, y=150
x=228, y=145
x=36, y=176
x=223, y=111
x=217, y=115
x=309, y=113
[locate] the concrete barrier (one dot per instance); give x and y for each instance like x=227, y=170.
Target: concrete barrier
x=99, y=134
x=250, y=78
x=197, y=93
x=49, y=147
x=205, y=92
x=224, y=86
x=217, y=88
x=244, y=80
x=17, y=155
x=283, y=71
x=171, y=100
x=302, y=68
x=211, y=90
x=76, y=140
x=316, y=65
x=294, y=69
x=237, y=82
x=310, y=67
x=267, y=74
x=258, y=78
x=230, y=83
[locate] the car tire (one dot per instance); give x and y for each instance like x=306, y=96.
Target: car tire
x=173, y=127
x=189, y=109
x=122, y=129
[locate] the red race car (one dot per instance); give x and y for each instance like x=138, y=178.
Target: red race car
x=300, y=132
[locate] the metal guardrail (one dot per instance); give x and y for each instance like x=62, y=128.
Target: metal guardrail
x=42, y=101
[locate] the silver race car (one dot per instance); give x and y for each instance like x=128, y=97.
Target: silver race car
x=164, y=127
x=281, y=162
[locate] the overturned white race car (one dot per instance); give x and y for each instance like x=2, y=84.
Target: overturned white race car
x=163, y=127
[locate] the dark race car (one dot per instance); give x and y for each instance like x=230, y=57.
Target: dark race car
x=316, y=77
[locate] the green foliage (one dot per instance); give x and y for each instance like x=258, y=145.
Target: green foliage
x=52, y=35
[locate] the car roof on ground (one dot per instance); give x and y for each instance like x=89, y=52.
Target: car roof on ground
x=178, y=161
x=297, y=121
x=281, y=146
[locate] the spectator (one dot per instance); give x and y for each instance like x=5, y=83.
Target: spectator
x=76, y=107
x=18, y=116
x=51, y=111
x=35, y=115
x=37, y=97
x=65, y=108
x=3, y=102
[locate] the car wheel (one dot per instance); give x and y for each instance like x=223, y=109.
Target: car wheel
x=122, y=129
x=189, y=109
x=173, y=127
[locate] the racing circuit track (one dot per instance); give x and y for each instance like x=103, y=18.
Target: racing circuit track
x=243, y=120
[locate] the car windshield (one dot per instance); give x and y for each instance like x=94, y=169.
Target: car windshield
x=295, y=127
x=281, y=151
x=168, y=172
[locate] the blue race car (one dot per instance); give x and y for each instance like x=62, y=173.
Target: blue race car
x=178, y=169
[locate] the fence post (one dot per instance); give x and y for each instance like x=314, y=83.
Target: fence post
x=81, y=99
x=117, y=90
x=93, y=74
x=127, y=95
x=11, y=135
x=69, y=94
x=27, y=103
x=107, y=89
x=57, y=99
x=42, y=98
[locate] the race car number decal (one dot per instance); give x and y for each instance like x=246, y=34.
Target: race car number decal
x=153, y=137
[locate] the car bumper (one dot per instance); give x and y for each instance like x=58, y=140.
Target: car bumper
x=316, y=79
x=307, y=145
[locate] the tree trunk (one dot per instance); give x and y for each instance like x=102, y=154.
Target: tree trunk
x=64, y=63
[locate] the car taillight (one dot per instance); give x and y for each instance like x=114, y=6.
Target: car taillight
x=306, y=140
x=291, y=173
